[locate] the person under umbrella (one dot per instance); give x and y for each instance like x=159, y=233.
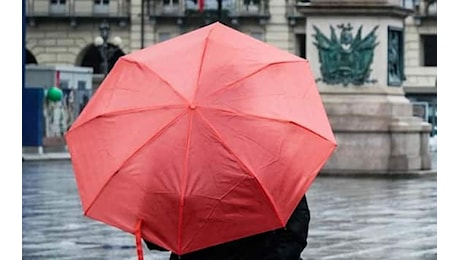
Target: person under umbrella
x=204, y=142
x=280, y=244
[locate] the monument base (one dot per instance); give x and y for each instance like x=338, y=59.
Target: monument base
x=375, y=131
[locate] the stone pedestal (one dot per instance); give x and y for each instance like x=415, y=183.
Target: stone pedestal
x=375, y=132
x=356, y=51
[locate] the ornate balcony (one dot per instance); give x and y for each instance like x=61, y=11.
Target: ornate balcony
x=77, y=9
x=422, y=8
x=298, y=9
x=231, y=10
x=425, y=10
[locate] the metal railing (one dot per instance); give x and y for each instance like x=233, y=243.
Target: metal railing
x=231, y=7
x=421, y=8
x=77, y=8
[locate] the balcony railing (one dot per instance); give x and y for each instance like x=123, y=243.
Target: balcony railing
x=298, y=9
x=234, y=8
x=403, y=3
x=423, y=10
x=426, y=8
x=77, y=8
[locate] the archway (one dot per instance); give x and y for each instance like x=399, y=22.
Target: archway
x=30, y=58
x=91, y=57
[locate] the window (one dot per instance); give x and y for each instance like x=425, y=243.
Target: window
x=410, y=4
x=58, y=7
x=163, y=36
x=252, y=6
x=101, y=6
x=64, y=84
x=58, y=2
x=251, y=2
x=429, y=50
x=170, y=2
x=301, y=45
x=81, y=85
x=101, y=2
x=258, y=35
x=208, y=4
x=432, y=8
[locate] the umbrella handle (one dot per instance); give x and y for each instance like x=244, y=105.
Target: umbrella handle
x=140, y=253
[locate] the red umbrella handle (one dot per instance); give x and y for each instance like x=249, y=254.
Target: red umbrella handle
x=140, y=254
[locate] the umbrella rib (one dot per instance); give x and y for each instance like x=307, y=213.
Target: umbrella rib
x=184, y=176
x=127, y=111
x=265, y=118
x=221, y=139
x=201, y=64
x=165, y=81
x=151, y=139
x=232, y=84
x=183, y=182
x=211, y=212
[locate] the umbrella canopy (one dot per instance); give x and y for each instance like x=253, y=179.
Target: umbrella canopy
x=205, y=138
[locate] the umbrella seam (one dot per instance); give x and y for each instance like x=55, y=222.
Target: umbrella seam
x=156, y=135
x=206, y=41
x=181, y=204
x=231, y=84
x=205, y=222
x=127, y=111
x=183, y=183
x=161, y=78
x=214, y=208
x=267, y=118
x=219, y=137
x=101, y=87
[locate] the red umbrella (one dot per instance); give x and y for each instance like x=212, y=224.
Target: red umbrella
x=199, y=140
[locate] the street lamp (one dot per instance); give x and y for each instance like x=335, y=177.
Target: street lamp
x=105, y=49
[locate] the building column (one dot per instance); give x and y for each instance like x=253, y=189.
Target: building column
x=141, y=33
x=277, y=31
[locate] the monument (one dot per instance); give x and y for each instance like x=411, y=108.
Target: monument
x=356, y=49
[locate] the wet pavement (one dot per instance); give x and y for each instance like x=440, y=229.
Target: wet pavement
x=352, y=219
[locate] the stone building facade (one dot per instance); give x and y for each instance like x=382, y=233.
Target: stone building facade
x=420, y=60
x=64, y=32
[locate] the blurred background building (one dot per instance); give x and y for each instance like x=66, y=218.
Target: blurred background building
x=95, y=33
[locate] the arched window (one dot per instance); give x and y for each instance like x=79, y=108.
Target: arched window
x=30, y=58
x=92, y=57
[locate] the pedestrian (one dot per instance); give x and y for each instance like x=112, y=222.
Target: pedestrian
x=280, y=244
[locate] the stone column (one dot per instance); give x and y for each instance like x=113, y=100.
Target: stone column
x=136, y=26
x=355, y=48
x=277, y=33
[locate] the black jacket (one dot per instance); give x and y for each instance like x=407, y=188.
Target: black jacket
x=280, y=244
